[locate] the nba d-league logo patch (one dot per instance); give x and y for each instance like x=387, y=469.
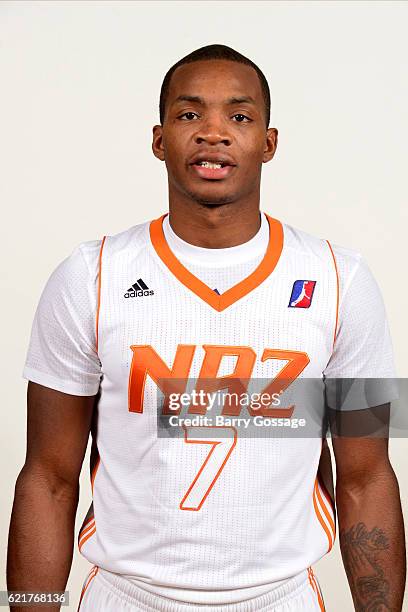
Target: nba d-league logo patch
x=302, y=293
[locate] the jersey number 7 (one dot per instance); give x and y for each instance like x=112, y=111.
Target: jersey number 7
x=147, y=362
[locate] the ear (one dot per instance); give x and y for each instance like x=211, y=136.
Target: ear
x=157, y=143
x=271, y=144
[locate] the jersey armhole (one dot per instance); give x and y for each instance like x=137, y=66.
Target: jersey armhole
x=99, y=294
x=337, y=293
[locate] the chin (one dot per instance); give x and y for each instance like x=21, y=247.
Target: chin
x=211, y=198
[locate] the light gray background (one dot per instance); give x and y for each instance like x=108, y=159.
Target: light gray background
x=80, y=86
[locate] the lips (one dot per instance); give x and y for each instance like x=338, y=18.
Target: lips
x=212, y=173
x=214, y=157
x=227, y=165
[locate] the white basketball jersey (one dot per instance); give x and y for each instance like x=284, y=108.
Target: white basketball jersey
x=219, y=513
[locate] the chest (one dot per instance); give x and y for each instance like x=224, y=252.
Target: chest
x=149, y=316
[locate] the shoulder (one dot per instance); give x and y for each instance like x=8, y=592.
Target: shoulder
x=344, y=260
x=83, y=263
x=134, y=239
x=310, y=244
x=79, y=266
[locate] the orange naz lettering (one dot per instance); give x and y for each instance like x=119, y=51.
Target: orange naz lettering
x=147, y=362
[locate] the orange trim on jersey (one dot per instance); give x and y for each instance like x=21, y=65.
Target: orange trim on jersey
x=320, y=517
x=338, y=293
x=329, y=501
x=327, y=495
x=310, y=578
x=315, y=586
x=99, y=292
x=87, y=527
x=86, y=536
x=90, y=526
x=324, y=507
x=189, y=280
x=88, y=580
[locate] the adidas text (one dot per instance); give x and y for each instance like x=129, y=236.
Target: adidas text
x=141, y=293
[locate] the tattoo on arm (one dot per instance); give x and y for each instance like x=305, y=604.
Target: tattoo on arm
x=361, y=551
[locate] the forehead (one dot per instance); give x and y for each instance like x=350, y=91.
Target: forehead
x=214, y=80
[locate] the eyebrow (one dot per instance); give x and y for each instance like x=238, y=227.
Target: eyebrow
x=229, y=101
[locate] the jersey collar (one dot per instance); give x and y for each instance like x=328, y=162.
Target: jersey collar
x=203, y=291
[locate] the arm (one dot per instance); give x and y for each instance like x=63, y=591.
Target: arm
x=41, y=533
x=372, y=539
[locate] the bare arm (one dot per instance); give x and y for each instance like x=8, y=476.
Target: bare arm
x=41, y=533
x=372, y=539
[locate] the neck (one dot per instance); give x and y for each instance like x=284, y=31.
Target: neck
x=215, y=227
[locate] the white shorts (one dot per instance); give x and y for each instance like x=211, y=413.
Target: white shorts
x=107, y=592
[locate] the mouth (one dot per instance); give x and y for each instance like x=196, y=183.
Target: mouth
x=212, y=170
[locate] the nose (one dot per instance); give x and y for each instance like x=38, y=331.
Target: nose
x=213, y=130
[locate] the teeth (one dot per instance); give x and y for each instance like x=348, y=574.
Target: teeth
x=208, y=164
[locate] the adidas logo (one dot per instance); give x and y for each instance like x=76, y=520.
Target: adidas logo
x=138, y=289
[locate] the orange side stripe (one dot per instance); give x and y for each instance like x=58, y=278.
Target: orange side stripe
x=219, y=302
x=310, y=579
x=325, y=510
x=86, y=537
x=90, y=526
x=320, y=518
x=99, y=293
x=87, y=528
x=91, y=576
x=325, y=494
x=88, y=522
x=338, y=293
x=317, y=590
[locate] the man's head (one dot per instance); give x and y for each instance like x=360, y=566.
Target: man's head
x=214, y=52
x=215, y=107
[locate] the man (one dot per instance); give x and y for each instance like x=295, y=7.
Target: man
x=222, y=294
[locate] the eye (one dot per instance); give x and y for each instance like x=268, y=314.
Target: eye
x=244, y=116
x=188, y=113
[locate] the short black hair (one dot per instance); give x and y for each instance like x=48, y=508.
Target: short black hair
x=210, y=52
